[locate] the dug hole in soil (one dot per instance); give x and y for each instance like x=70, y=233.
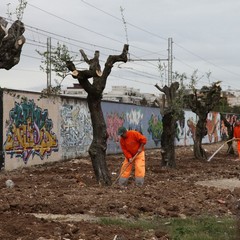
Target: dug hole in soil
x=62, y=200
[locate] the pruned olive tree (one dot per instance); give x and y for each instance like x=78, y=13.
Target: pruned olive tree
x=172, y=111
x=97, y=150
x=202, y=102
x=93, y=81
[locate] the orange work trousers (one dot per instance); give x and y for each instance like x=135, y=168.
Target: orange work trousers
x=139, y=163
x=238, y=147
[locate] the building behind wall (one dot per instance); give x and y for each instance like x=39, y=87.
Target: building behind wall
x=121, y=94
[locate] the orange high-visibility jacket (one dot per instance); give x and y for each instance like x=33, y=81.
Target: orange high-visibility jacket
x=131, y=143
x=236, y=132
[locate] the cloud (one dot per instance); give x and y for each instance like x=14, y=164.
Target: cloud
x=205, y=35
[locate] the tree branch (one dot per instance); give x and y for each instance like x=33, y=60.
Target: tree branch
x=11, y=44
x=115, y=58
x=93, y=63
x=82, y=76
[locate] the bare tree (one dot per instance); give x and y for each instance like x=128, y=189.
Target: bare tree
x=97, y=150
x=11, y=43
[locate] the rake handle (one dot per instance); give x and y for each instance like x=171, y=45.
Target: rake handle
x=126, y=167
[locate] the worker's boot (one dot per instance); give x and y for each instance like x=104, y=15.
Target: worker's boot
x=139, y=181
x=123, y=182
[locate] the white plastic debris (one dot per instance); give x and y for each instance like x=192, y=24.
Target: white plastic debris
x=9, y=183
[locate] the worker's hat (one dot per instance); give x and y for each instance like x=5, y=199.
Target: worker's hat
x=121, y=130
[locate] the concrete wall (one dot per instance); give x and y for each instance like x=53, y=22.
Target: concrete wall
x=39, y=131
x=75, y=128
x=143, y=119
x=31, y=130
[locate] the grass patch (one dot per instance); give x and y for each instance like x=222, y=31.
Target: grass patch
x=207, y=228
x=201, y=228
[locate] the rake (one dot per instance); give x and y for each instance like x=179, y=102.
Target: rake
x=209, y=159
x=126, y=168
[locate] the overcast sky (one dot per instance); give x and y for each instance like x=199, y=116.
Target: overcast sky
x=205, y=36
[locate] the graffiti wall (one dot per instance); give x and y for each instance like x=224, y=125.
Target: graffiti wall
x=75, y=128
x=37, y=131
x=143, y=119
x=30, y=131
x=186, y=129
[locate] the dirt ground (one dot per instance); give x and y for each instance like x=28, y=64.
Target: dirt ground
x=69, y=187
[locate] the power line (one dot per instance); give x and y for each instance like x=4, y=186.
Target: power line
x=48, y=34
x=25, y=55
x=87, y=29
x=118, y=41
x=119, y=19
x=153, y=34
x=209, y=62
x=212, y=75
x=77, y=25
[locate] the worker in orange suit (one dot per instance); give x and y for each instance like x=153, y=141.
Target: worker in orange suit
x=132, y=144
x=236, y=134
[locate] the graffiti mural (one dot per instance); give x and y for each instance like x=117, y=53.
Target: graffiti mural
x=134, y=120
x=187, y=130
x=143, y=119
x=113, y=122
x=213, y=126
x=76, y=127
x=29, y=132
x=155, y=128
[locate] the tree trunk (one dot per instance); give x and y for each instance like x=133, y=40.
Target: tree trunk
x=168, y=141
x=229, y=126
x=171, y=113
x=98, y=146
x=201, y=131
x=11, y=43
x=202, y=102
x=97, y=150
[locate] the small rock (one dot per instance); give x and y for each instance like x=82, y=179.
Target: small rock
x=182, y=216
x=9, y=183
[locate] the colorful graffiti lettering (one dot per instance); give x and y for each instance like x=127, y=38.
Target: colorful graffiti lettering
x=29, y=132
x=155, y=128
x=113, y=122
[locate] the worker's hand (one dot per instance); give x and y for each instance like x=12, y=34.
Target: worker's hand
x=139, y=150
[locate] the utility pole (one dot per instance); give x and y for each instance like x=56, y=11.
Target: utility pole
x=49, y=64
x=170, y=61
